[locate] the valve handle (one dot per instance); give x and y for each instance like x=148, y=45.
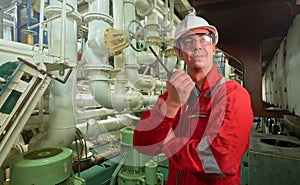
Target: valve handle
x=135, y=33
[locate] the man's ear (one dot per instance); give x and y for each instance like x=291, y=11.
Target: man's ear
x=214, y=49
x=178, y=52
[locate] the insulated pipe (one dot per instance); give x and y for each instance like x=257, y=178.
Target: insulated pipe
x=144, y=7
x=61, y=130
x=85, y=100
x=56, y=28
x=93, y=128
x=102, y=94
x=172, y=12
x=62, y=120
x=138, y=81
x=171, y=62
x=97, y=68
x=145, y=58
x=118, y=12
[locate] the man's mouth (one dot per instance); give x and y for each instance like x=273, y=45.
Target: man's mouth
x=197, y=57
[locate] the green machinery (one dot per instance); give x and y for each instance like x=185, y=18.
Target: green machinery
x=47, y=166
x=135, y=168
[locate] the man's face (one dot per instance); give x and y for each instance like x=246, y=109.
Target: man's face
x=196, y=48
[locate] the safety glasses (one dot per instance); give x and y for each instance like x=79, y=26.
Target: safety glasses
x=188, y=42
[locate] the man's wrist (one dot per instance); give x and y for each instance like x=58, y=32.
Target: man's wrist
x=169, y=109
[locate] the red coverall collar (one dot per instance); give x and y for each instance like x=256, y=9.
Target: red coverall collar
x=211, y=79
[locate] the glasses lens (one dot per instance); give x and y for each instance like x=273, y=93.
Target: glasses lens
x=188, y=42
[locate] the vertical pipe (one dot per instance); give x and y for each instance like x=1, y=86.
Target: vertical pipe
x=172, y=12
x=1, y=22
x=63, y=28
x=56, y=36
x=62, y=120
x=15, y=25
x=118, y=13
x=166, y=12
x=130, y=54
x=41, y=30
x=97, y=27
x=29, y=15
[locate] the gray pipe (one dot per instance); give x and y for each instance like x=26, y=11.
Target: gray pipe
x=1, y=22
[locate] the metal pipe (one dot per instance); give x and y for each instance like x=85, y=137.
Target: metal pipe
x=15, y=22
x=61, y=129
x=93, y=128
x=97, y=68
x=63, y=29
x=138, y=81
x=41, y=30
x=118, y=12
x=1, y=22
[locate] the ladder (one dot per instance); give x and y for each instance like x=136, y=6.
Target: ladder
x=21, y=87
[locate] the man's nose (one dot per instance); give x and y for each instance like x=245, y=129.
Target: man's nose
x=197, y=45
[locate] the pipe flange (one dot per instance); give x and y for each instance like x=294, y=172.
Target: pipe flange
x=132, y=66
x=154, y=41
x=55, y=10
x=99, y=16
x=153, y=29
x=152, y=26
x=98, y=67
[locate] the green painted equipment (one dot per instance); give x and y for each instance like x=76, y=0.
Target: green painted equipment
x=135, y=168
x=7, y=71
x=47, y=166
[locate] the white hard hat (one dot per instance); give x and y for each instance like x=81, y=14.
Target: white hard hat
x=192, y=21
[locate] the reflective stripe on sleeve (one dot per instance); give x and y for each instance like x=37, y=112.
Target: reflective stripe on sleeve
x=207, y=158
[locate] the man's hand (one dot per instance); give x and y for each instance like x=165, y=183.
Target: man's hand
x=179, y=87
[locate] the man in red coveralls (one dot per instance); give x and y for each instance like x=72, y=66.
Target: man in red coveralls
x=203, y=136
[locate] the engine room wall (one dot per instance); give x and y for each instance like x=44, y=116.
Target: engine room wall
x=281, y=80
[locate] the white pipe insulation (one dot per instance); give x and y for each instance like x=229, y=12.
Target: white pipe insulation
x=138, y=81
x=62, y=121
x=118, y=12
x=93, y=128
x=97, y=68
